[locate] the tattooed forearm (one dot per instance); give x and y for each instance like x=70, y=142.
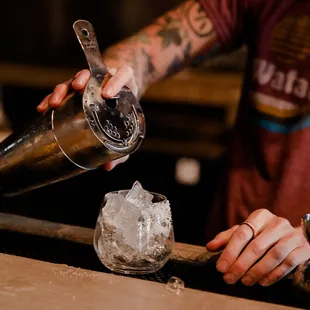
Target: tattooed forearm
x=166, y=46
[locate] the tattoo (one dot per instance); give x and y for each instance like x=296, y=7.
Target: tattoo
x=198, y=21
x=196, y=18
x=170, y=36
x=187, y=51
x=149, y=67
x=210, y=53
x=167, y=45
x=174, y=66
x=170, y=30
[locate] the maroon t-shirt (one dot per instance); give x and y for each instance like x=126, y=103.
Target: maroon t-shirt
x=269, y=163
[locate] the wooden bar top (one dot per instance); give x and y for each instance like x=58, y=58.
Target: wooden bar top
x=36, y=285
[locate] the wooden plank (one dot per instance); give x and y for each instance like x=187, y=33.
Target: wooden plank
x=36, y=285
x=11, y=222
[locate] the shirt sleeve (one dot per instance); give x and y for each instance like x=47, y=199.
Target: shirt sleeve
x=228, y=18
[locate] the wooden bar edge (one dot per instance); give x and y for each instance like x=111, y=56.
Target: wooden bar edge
x=10, y=222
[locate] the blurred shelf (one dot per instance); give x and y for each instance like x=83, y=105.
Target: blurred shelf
x=196, y=149
x=187, y=86
x=18, y=74
x=198, y=88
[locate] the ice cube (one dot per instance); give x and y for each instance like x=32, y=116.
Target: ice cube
x=161, y=218
x=144, y=231
x=126, y=223
x=127, y=215
x=175, y=285
x=113, y=205
x=138, y=196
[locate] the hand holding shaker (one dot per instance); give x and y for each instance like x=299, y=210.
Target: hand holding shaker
x=85, y=132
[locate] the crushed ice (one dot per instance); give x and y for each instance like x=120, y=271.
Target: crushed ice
x=134, y=227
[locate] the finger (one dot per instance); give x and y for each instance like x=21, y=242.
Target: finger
x=221, y=239
x=59, y=93
x=276, y=229
x=298, y=256
x=275, y=256
x=112, y=71
x=42, y=107
x=122, y=77
x=81, y=80
x=239, y=240
x=111, y=165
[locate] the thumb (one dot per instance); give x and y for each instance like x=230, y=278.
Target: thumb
x=221, y=240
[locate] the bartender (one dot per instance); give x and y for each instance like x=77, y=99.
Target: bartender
x=267, y=186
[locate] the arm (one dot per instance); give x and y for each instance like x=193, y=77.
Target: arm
x=167, y=45
x=161, y=49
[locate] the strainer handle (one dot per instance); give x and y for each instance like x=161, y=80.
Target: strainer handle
x=87, y=38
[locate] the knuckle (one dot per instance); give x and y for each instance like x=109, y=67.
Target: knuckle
x=59, y=87
x=300, y=238
x=283, y=222
x=262, y=212
x=242, y=233
x=258, y=273
x=229, y=255
x=278, y=253
x=291, y=261
x=257, y=248
x=128, y=70
x=238, y=268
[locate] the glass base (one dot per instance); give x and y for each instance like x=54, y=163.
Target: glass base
x=118, y=268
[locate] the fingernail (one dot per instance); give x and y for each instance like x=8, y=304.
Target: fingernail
x=80, y=81
x=230, y=278
x=210, y=243
x=107, y=92
x=264, y=282
x=41, y=107
x=222, y=266
x=248, y=281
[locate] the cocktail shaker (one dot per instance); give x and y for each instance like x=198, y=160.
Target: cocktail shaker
x=83, y=133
